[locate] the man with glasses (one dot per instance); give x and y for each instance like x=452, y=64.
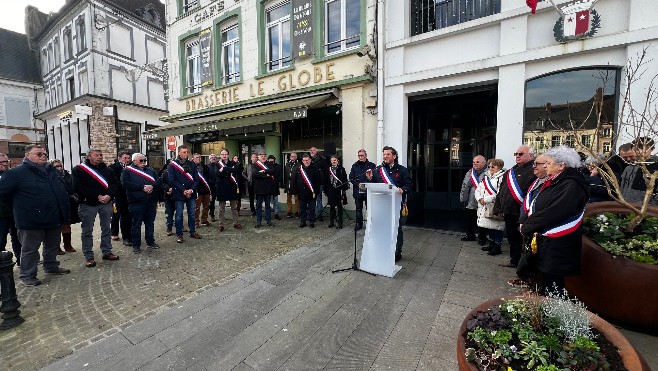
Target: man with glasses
x=632, y=180
x=7, y=225
x=622, y=159
x=41, y=207
x=141, y=184
x=510, y=199
x=470, y=183
x=183, y=177
x=96, y=186
x=358, y=176
x=263, y=174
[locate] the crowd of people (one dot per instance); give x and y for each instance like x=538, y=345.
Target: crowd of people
x=539, y=202
x=39, y=199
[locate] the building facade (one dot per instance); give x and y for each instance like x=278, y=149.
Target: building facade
x=469, y=77
x=279, y=76
x=21, y=96
x=100, y=63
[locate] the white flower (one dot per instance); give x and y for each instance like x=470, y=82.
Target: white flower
x=513, y=348
x=602, y=218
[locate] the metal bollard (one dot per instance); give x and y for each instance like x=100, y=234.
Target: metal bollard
x=10, y=304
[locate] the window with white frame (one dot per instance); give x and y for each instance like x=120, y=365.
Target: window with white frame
x=68, y=44
x=189, y=5
x=56, y=99
x=155, y=51
x=121, y=40
x=193, y=67
x=44, y=61
x=51, y=60
x=342, y=25
x=70, y=87
x=56, y=51
x=81, y=32
x=83, y=82
x=277, y=31
x=59, y=91
x=230, y=55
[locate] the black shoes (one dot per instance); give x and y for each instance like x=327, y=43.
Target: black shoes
x=302, y=225
x=277, y=217
x=331, y=225
x=258, y=225
x=468, y=238
x=311, y=225
x=495, y=250
x=398, y=256
x=59, y=270
x=31, y=281
x=270, y=224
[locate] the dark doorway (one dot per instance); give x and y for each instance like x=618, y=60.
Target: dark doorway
x=446, y=130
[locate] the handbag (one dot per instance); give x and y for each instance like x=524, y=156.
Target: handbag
x=489, y=213
x=528, y=263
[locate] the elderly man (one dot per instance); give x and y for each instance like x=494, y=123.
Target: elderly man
x=7, y=225
x=291, y=166
x=121, y=218
x=203, y=192
x=305, y=182
x=510, y=198
x=183, y=178
x=228, y=189
x=471, y=181
x=263, y=174
x=322, y=165
x=96, y=186
x=632, y=181
x=141, y=184
x=357, y=176
x=41, y=207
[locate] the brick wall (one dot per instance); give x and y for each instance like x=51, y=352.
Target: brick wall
x=102, y=132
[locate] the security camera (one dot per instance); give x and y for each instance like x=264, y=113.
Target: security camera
x=364, y=51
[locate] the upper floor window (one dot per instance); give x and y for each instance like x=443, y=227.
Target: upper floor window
x=189, y=5
x=56, y=51
x=343, y=25
x=193, y=67
x=51, y=59
x=70, y=85
x=44, y=61
x=230, y=55
x=81, y=32
x=429, y=15
x=68, y=44
x=278, y=37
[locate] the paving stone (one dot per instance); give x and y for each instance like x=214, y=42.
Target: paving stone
x=92, y=355
x=135, y=357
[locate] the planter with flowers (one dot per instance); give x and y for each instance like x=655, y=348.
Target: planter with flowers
x=544, y=334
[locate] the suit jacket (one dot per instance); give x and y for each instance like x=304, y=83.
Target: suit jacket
x=180, y=181
x=505, y=202
x=299, y=186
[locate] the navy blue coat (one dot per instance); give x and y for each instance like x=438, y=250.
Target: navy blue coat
x=358, y=175
x=225, y=186
x=180, y=182
x=40, y=199
x=134, y=184
x=400, y=176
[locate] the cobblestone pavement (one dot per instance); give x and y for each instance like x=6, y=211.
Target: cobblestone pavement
x=69, y=312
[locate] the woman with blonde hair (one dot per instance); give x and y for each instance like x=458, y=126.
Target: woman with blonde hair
x=485, y=195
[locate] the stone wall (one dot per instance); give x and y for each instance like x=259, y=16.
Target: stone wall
x=102, y=132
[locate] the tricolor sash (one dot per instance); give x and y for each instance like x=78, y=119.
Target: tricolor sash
x=235, y=181
x=177, y=166
x=489, y=187
x=568, y=226
x=306, y=180
x=475, y=180
x=529, y=200
x=386, y=177
x=203, y=179
x=261, y=165
x=140, y=172
x=94, y=174
x=333, y=175
x=514, y=187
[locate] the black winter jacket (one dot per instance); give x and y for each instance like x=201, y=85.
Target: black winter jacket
x=225, y=185
x=563, y=198
x=358, y=174
x=264, y=181
x=505, y=203
x=299, y=186
x=121, y=198
x=88, y=188
x=133, y=181
x=335, y=194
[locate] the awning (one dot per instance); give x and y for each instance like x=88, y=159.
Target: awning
x=238, y=119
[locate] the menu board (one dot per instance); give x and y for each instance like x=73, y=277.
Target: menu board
x=302, y=39
x=204, y=46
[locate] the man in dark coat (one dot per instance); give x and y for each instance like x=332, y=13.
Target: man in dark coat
x=262, y=174
x=399, y=175
x=290, y=167
x=305, y=183
x=336, y=185
x=358, y=176
x=142, y=185
x=322, y=165
x=228, y=189
x=212, y=177
x=7, y=225
x=183, y=177
x=278, y=179
x=509, y=199
x=167, y=198
x=96, y=187
x=121, y=218
x=203, y=192
x=41, y=207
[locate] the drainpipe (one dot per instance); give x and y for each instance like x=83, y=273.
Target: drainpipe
x=381, y=30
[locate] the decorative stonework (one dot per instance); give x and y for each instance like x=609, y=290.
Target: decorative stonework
x=102, y=131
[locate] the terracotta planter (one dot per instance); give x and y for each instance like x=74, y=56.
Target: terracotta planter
x=631, y=358
x=617, y=288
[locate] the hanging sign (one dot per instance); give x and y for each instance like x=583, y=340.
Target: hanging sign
x=204, y=50
x=302, y=37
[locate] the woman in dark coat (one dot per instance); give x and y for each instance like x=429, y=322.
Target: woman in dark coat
x=335, y=187
x=73, y=202
x=555, y=218
x=242, y=182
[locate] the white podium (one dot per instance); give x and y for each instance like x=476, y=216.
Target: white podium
x=378, y=253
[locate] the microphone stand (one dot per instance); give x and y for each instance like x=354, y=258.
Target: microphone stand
x=355, y=262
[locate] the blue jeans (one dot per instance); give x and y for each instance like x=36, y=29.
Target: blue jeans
x=7, y=227
x=180, y=205
x=170, y=207
x=496, y=236
x=88, y=216
x=259, y=208
x=142, y=213
x=275, y=204
x=318, y=203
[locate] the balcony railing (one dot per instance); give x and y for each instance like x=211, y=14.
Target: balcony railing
x=429, y=15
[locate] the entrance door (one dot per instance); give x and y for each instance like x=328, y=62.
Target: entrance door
x=445, y=132
x=251, y=146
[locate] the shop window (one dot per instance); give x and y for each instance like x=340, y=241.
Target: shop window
x=128, y=137
x=567, y=103
x=230, y=55
x=343, y=25
x=278, y=36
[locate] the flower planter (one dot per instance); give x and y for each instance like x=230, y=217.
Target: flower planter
x=632, y=359
x=617, y=288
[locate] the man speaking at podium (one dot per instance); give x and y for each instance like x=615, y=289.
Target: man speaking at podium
x=390, y=172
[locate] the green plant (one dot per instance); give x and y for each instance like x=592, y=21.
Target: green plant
x=608, y=230
x=534, y=354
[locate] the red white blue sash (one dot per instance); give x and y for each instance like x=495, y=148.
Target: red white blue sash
x=203, y=179
x=180, y=168
x=140, y=172
x=261, y=165
x=386, y=177
x=306, y=180
x=333, y=175
x=514, y=187
x=475, y=180
x=569, y=226
x=221, y=164
x=489, y=187
x=529, y=201
x=94, y=174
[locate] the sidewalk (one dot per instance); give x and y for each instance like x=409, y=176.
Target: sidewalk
x=292, y=313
